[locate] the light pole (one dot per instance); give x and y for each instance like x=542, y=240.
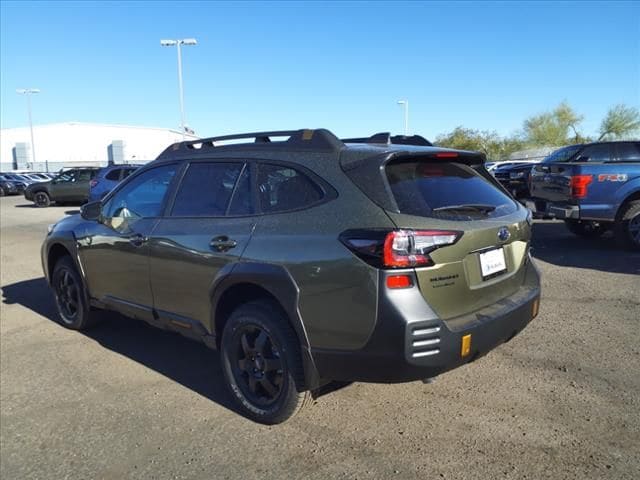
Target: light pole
x=178, y=44
x=405, y=104
x=28, y=92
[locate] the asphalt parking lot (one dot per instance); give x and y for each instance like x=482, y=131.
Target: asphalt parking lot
x=561, y=400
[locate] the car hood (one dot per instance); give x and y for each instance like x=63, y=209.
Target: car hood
x=33, y=185
x=69, y=223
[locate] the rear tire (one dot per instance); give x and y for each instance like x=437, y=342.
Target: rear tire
x=68, y=291
x=262, y=364
x=2, y=192
x=41, y=199
x=627, y=227
x=586, y=228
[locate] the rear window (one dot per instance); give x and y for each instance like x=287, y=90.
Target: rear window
x=282, y=188
x=445, y=190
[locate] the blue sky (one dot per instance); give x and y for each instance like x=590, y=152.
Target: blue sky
x=343, y=66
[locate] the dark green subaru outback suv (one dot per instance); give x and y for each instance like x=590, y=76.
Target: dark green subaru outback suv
x=306, y=259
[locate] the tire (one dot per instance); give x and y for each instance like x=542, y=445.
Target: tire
x=68, y=291
x=585, y=228
x=627, y=227
x=262, y=365
x=2, y=194
x=41, y=199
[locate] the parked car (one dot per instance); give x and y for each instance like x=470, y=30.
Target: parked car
x=16, y=178
x=8, y=188
x=107, y=178
x=495, y=166
x=19, y=184
x=596, y=188
x=306, y=260
x=69, y=186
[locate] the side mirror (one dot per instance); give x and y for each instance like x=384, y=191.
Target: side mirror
x=91, y=211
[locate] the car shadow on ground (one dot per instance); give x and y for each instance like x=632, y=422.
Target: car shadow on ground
x=187, y=362
x=553, y=243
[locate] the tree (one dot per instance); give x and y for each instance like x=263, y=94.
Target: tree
x=620, y=122
x=558, y=127
x=489, y=143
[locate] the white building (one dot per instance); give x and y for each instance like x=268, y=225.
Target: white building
x=73, y=143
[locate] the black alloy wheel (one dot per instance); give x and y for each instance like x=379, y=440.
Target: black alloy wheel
x=262, y=363
x=67, y=297
x=257, y=366
x=41, y=199
x=68, y=291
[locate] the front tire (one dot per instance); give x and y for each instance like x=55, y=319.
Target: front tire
x=627, y=228
x=262, y=365
x=586, y=228
x=68, y=291
x=41, y=199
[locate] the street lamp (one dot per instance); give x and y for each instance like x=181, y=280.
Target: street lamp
x=178, y=43
x=405, y=103
x=28, y=92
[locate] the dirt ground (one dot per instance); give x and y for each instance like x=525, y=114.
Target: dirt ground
x=561, y=400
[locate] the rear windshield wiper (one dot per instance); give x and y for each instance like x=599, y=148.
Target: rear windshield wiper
x=467, y=207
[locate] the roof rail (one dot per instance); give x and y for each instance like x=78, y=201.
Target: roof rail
x=387, y=139
x=319, y=139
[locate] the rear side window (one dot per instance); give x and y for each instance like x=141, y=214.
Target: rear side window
x=126, y=172
x=113, y=174
x=206, y=189
x=628, y=152
x=283, y=188
x=445, y=190
x=595, y=153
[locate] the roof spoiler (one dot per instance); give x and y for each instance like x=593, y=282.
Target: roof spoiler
x=386, y=138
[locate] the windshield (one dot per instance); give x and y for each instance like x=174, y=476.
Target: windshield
x=562, y=155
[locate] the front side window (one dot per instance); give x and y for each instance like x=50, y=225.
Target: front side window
x=69, y=176
x=142, y=197
x=84, y=175
x=283, y=188
x=206, y=190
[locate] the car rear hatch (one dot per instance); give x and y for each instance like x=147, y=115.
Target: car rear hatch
x=476, y=236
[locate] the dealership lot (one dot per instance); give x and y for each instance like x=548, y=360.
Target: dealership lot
x=561, y=400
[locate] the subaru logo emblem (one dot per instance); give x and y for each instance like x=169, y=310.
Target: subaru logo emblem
x=504, y=234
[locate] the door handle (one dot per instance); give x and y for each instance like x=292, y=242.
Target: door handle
x=223, y=243
x=137, y=240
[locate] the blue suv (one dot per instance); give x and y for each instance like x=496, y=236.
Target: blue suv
x=107, y=178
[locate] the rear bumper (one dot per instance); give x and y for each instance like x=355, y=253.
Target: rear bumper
x=564, y=211
x=410, y=342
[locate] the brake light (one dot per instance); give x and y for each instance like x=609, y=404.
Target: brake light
x=93, y=183
x=397, y=248
x=579, y=184
x=410, y=248
x=399, y=281
x=446, y=154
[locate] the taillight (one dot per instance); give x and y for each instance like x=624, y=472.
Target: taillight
x=398, y=248
x=93, y=183
x=579, y=184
